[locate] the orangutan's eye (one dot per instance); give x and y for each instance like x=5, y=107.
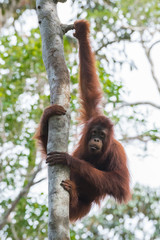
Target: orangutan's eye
x=94, y=132
x=102, y=135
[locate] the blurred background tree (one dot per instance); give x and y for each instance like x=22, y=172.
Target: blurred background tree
x=126, y=40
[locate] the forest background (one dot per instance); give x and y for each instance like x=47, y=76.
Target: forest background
x=126, y=41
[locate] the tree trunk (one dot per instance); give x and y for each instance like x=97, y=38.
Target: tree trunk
x=53, y=56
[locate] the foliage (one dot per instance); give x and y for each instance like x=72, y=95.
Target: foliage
x=139, y=219
x=29, y=220
x=143, y=13
x=22, y=82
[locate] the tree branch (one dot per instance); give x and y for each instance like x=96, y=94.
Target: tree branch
x=155, y=43
x=41, y=180
x=14, y=232
x=52, y=32
x=137, y=137
x=62, y=1
x=126, y=104
x=137, y=28
x=66, y=28
x=142, y=137
x=4, y=219
x=148, y=55
x=104, y=45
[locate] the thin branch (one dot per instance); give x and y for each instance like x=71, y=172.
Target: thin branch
x=138, y=137
x=41, y=180
x=126, y=104
x=104, y=45
x=155, y=43
x=62, y=1
x=66, y=28
x=137, y=28
x=142, y=137
x=148, y=55
x=14, y=232
x=4, y=219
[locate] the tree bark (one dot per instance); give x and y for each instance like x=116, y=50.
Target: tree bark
x=58, y=76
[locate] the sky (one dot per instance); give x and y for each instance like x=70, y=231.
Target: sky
x=142, y=88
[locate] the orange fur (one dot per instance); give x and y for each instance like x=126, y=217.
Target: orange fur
x=41, y=134
x=92, y=177
x=90, y=89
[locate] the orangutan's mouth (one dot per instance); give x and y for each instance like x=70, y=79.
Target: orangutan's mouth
x=94, y=148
